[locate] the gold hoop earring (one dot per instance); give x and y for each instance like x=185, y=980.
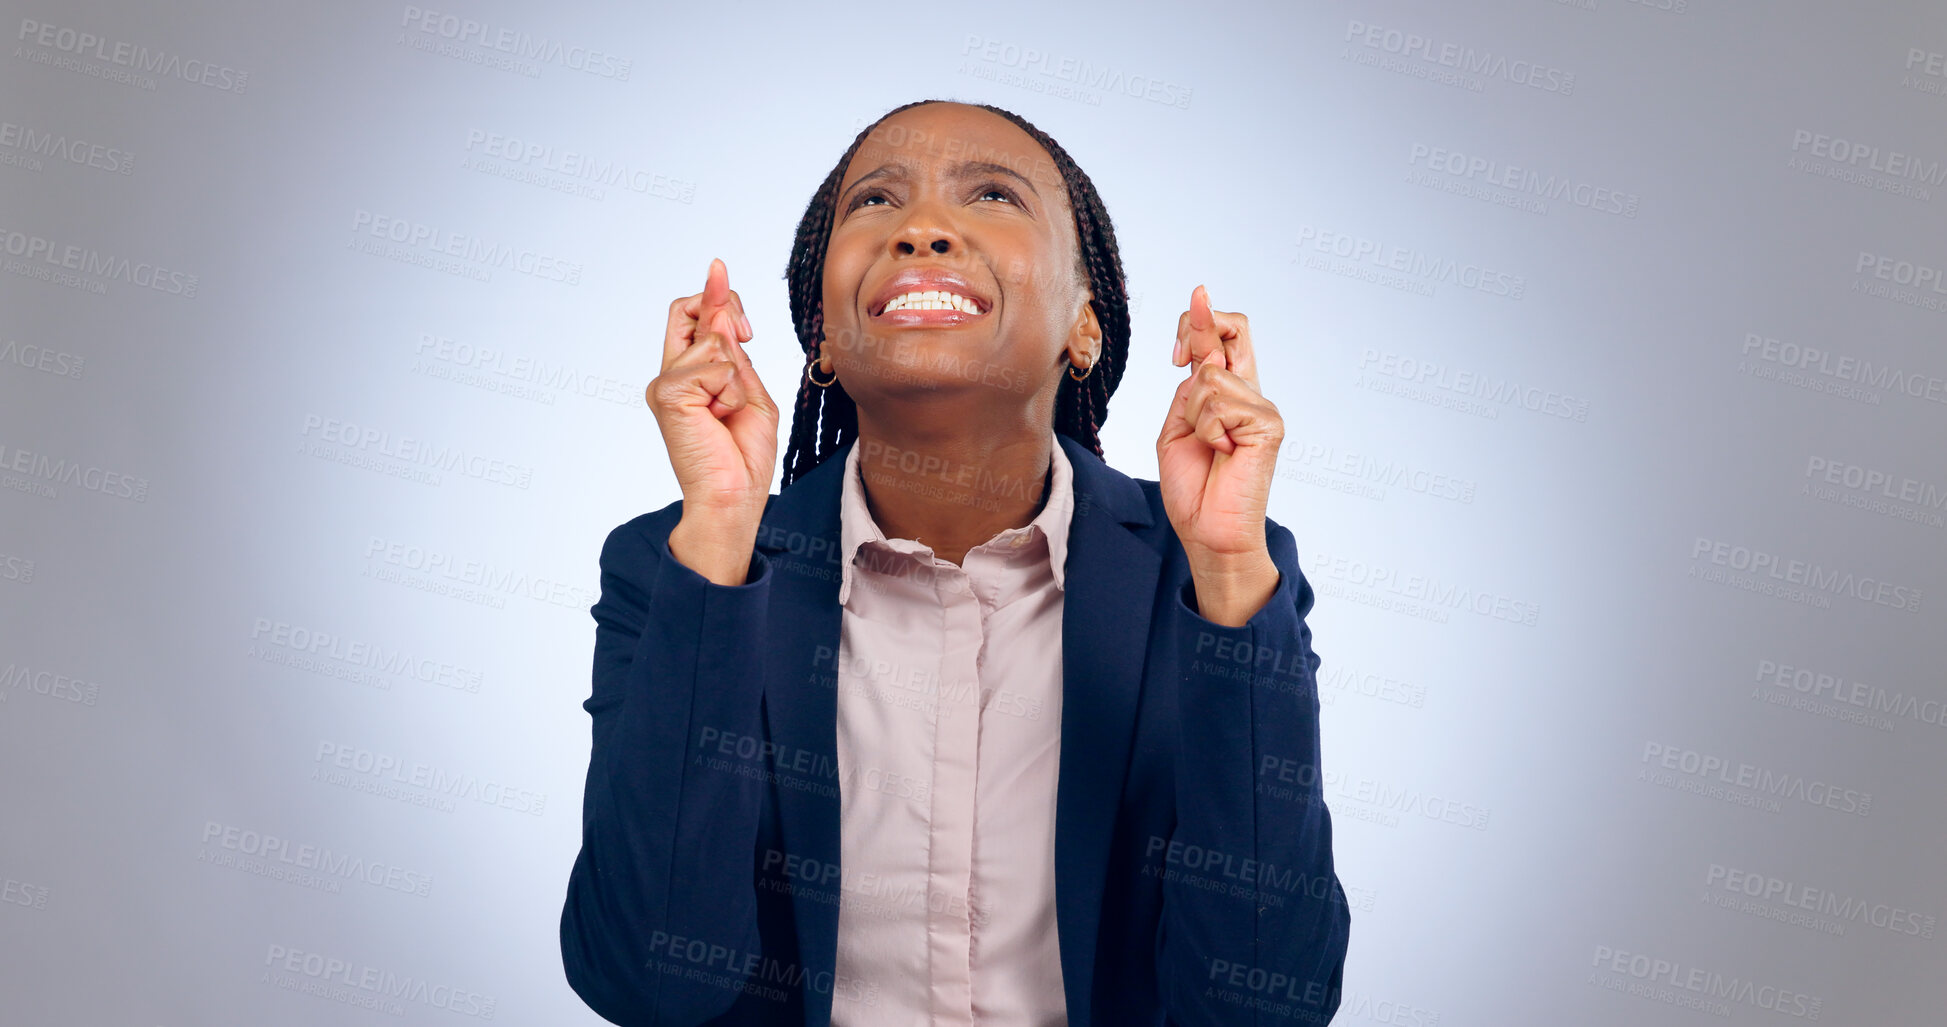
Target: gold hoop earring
x=1090, y=369
x=813, y=379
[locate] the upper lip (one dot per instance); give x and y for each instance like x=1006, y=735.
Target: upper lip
x=925, y=279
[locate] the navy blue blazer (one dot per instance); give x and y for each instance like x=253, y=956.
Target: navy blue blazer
x=1194, y=881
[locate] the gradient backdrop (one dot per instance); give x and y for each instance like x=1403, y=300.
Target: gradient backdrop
x=1611, y=339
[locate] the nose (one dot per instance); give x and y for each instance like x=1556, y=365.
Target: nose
x=904, y=246
x=925, y=227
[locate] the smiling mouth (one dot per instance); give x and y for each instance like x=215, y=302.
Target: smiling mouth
x=932, y=299
x=930, y=307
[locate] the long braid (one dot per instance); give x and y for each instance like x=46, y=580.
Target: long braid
x=805, y=275
x=825, y=418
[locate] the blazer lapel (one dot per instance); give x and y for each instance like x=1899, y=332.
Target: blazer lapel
x=799, y=534
x=1110, y=580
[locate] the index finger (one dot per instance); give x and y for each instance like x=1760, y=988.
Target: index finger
x=716, y=284
x=690, y=316
x=717, y=296
x=1198, y=331
x=1202, y=331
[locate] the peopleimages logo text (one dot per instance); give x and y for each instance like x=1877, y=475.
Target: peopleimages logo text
x=517, y=43
x=89, y=46
x=87, y=260
x=1809, y=575
x=1466, y=59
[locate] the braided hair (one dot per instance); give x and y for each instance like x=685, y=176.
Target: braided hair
x=825, y=418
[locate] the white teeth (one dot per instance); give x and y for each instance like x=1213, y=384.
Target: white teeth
x=931, y=300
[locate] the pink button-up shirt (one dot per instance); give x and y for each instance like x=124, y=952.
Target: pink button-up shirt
x=949, y=741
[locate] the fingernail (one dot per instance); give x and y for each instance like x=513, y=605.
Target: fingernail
x=1176, y=352
x=746, y=322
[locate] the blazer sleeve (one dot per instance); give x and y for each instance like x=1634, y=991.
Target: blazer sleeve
x=1255, y=924
x=660, y=921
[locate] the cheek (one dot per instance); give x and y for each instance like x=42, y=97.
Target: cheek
x=843, y=272
x=834, y=304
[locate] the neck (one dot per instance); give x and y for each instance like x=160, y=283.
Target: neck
x=954, y=490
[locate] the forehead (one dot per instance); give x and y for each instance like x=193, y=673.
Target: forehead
x=933, y=138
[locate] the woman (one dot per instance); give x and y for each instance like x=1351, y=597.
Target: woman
x=963, y=725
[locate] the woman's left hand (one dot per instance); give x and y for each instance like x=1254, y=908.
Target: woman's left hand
x=1217, y=454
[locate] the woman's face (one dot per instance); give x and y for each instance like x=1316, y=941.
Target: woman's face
x=952, y=199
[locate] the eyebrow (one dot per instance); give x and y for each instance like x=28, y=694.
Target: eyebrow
x=901, y=169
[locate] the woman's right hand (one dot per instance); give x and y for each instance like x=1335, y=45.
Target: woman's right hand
x=718, y=422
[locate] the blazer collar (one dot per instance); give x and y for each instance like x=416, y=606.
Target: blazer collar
x=857, y=526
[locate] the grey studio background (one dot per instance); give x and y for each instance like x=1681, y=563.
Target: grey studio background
x=1611, y=338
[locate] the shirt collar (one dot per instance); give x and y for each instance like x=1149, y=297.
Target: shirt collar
x=856, y=526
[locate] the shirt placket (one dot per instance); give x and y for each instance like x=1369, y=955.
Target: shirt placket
x=956, y=748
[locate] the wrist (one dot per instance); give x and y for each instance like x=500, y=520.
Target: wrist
x=1231, y=589
x=712, y=549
